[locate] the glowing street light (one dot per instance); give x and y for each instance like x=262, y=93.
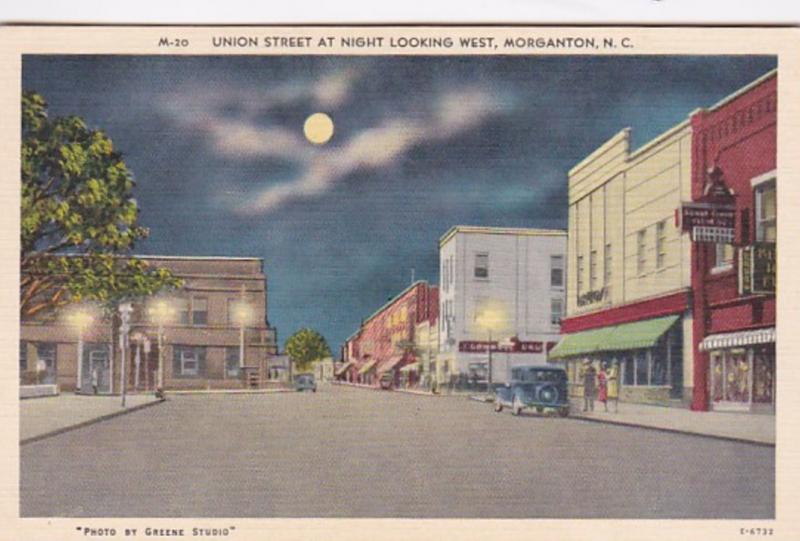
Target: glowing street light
x=242, y=314
x=492, y=318
x=80, y=318
x=161, y=313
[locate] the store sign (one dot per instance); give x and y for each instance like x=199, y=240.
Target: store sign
x=708, y=222
x=757, y=269
x=591, y=297
x=474, y=346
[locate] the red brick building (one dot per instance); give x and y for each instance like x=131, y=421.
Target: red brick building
x=385, y=341
x=733, y=276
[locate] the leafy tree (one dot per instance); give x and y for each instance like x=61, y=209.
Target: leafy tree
x=306, y=346
x=78, y=217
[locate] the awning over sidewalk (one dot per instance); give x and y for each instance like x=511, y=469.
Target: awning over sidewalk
x=413, y=367
x=367, y=367
x=342, y=369
x=738, y=339
x=636, y=335
x=389, y=364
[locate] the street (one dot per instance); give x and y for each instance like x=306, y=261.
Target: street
x=346, y=452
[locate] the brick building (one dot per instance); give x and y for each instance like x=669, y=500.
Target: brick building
x=222, y=299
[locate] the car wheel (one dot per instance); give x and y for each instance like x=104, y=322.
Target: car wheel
x=516, y=409
x=563, y=412
x=539, y=409
x=498, y=406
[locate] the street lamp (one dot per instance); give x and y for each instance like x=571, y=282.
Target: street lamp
x=81, y=319
x=125, y=310
x=242, y=316
x=492, y=318
x=161, y=313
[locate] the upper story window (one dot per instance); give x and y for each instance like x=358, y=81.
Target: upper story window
x=661, y=244
x=723, y=257
x=556, y=311
x=182, y=309
x=607, y=266
x=641, y=250
x=199, y=311
x=580, y=275
x=593, y=270
x=557, y=271
x=452, y=269
x=766, y=212
x=481, y=265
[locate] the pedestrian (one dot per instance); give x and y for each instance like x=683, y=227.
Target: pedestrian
x=613, y=384
x=589, y=374
x=602, y=385
x=95, y=379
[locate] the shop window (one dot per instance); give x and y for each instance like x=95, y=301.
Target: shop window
x=628, y=370
x=661, y=244
x=232, y=362
x=766, y=212
x=189, y=361
x=23, y=356
x=717, y=376
x=641, y=368
x=481, y=265
x=199, y=311
x=658, y=373
x=556, y=271
x=641, y=250
x=763, y=375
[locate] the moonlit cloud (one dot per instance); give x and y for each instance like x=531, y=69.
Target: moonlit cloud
x=380, y=146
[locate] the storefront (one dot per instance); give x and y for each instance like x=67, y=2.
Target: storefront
x=742, y=370
x=648, y=354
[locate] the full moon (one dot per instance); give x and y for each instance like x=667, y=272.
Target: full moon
x=318, y=128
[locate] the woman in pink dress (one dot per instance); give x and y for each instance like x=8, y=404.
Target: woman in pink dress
x=602, y=385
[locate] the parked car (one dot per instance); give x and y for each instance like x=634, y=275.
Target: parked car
x=305, y=382
x=387, y=380
x=539, y=387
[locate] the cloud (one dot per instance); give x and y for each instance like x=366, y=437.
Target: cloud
x=452, y=113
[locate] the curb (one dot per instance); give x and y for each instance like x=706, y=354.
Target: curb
x=373, y=388
x=89, y=422
x=671, y=430
x=228, y=391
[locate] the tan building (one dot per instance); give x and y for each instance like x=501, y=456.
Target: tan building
x=222, y=305
x=426, y=346
x=628, y=272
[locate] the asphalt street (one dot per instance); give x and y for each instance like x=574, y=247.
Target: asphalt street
x=345, y=452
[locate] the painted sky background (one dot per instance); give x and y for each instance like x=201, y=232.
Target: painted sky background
x=421, y=144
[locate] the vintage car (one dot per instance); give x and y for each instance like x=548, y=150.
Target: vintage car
x=305, y=382
x=539, y=387
x=387, y=380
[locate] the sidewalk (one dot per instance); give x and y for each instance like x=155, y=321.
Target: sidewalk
x=749, y=427
x=42, y=417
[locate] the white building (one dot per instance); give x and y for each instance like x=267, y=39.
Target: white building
x=499, y=286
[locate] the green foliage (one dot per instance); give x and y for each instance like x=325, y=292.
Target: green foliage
x=77, y=201
x=306, y=346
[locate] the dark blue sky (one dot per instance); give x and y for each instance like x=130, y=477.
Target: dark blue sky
x=421, y=144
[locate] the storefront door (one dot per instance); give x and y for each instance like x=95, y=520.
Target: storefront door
x=731, y=379
x=95, y=358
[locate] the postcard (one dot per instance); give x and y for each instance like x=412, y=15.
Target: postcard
x=460, y=282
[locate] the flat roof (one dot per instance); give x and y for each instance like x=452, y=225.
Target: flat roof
x=196, y=257
x=514, y=231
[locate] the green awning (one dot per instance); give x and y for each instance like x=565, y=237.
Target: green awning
x=367, y=367
x=636, y=335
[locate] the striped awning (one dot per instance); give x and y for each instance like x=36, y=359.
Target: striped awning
x=738, y=339
x=341, y=370
x=367, y=367
x=413, y=367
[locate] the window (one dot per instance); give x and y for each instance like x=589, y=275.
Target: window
x=557, y=271
x=641, y=248
x=661, y=244
x=199, y=311
x=580, y=274
x=593, y=270
x=481, y=265
x=452, y=269
x=23, y=356
x=556, y=311
x=607, y=266
x=189, y=361
x=723, y=258
x=444, y=275
x=766, y=216
x=182, y=308
x=232, y=362
x=642, y=370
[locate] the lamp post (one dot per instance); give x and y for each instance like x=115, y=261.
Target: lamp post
x=243, y=313
x=81, y=319
x=125, y=310
x=492, y=318
x=161, y=313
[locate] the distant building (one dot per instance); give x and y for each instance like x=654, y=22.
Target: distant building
x=201, y=339
x=502, y=290
x=385, y=342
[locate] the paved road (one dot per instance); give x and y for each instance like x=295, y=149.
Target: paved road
x=345, y=452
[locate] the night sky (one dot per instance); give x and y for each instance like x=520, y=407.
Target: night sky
x=421, y=144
